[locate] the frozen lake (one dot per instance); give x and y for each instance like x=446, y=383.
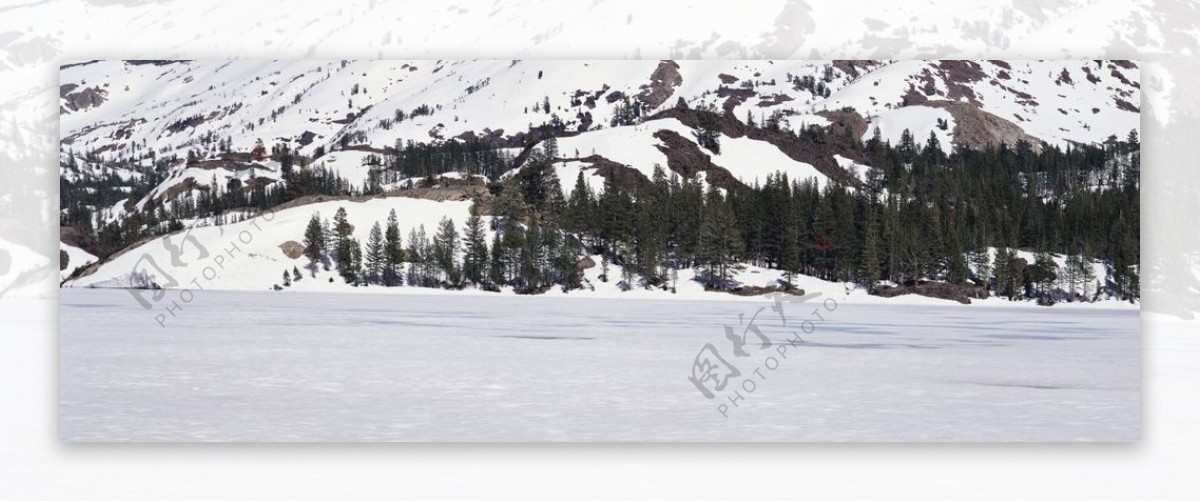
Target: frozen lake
x=286, y=366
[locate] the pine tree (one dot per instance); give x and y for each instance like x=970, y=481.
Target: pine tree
x=720, y=240
x=510, y=204
x=356, y=263
x=869, y=268
x=1005, y=280
x=550, y=148
x=420, y=257
x=957, y=267
x=651, y=242
x=578, y=215
x=475, y=251
x=329, y=239
x=343, y=246
x=287, y=279
x=393, y=252
x=933, y=149
x=1086, y=275
x=374, y=256
x=512, y=244
x=907, y=147
x=539, y=184
x=626, y=276
x=790, y=256
x=1070, y=275
x=445, y=251
x=497, y=274
x=982, y=261
x=613, y=215
x=688, y=211
x=314, y=243
x=566, y=265
x=1045, y=274
x=708, y=129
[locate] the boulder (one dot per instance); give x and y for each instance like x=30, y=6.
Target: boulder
x=292, y=249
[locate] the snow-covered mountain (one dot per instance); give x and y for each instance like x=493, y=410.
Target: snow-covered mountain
x=125, y=109
x=193, y=123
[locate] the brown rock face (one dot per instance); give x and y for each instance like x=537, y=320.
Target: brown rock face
x=292, y=249
x=80, y=238
x=979, y=129
x=584, y=264
x=819, y=155
x=614, y=171
x=686, y=158
x=845, y=122
x=662, y=84
x=852, y=66
x=734, y=97
x=959, y=75
x=81, y=100
x=961, y=293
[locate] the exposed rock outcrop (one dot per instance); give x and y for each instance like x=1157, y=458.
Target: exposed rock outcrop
x=662, y=84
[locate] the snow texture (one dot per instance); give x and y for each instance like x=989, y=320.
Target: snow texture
x=76, y=258
x=311, y=104
x=286, y=366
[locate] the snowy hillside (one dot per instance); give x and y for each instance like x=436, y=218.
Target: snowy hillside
x=142, y=111
x=199, y=152
x=251, y=255
x=114, y=105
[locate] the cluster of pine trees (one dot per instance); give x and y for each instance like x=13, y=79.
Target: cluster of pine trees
x=472, y=156
x=222, y=202
x=920, y=215
x=529, y=257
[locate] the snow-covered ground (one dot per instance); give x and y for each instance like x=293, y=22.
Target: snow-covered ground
x=294, y=366
x=248, y=254
x=76, y=257
x=282, y=99
x=122, y=112
x=635, y=146
x=918, y=121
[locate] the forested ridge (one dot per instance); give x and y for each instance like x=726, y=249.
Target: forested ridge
x=919, y=216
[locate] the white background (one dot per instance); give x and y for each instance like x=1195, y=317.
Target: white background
x=35, y=37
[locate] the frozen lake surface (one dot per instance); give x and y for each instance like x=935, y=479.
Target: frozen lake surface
x=286, y=366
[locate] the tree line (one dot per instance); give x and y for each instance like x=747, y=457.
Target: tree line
x=529, y=257
x=920, y=215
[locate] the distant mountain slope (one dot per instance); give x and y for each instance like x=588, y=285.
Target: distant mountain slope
x=126, y=109
x=145, y=143
x=179, y=100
